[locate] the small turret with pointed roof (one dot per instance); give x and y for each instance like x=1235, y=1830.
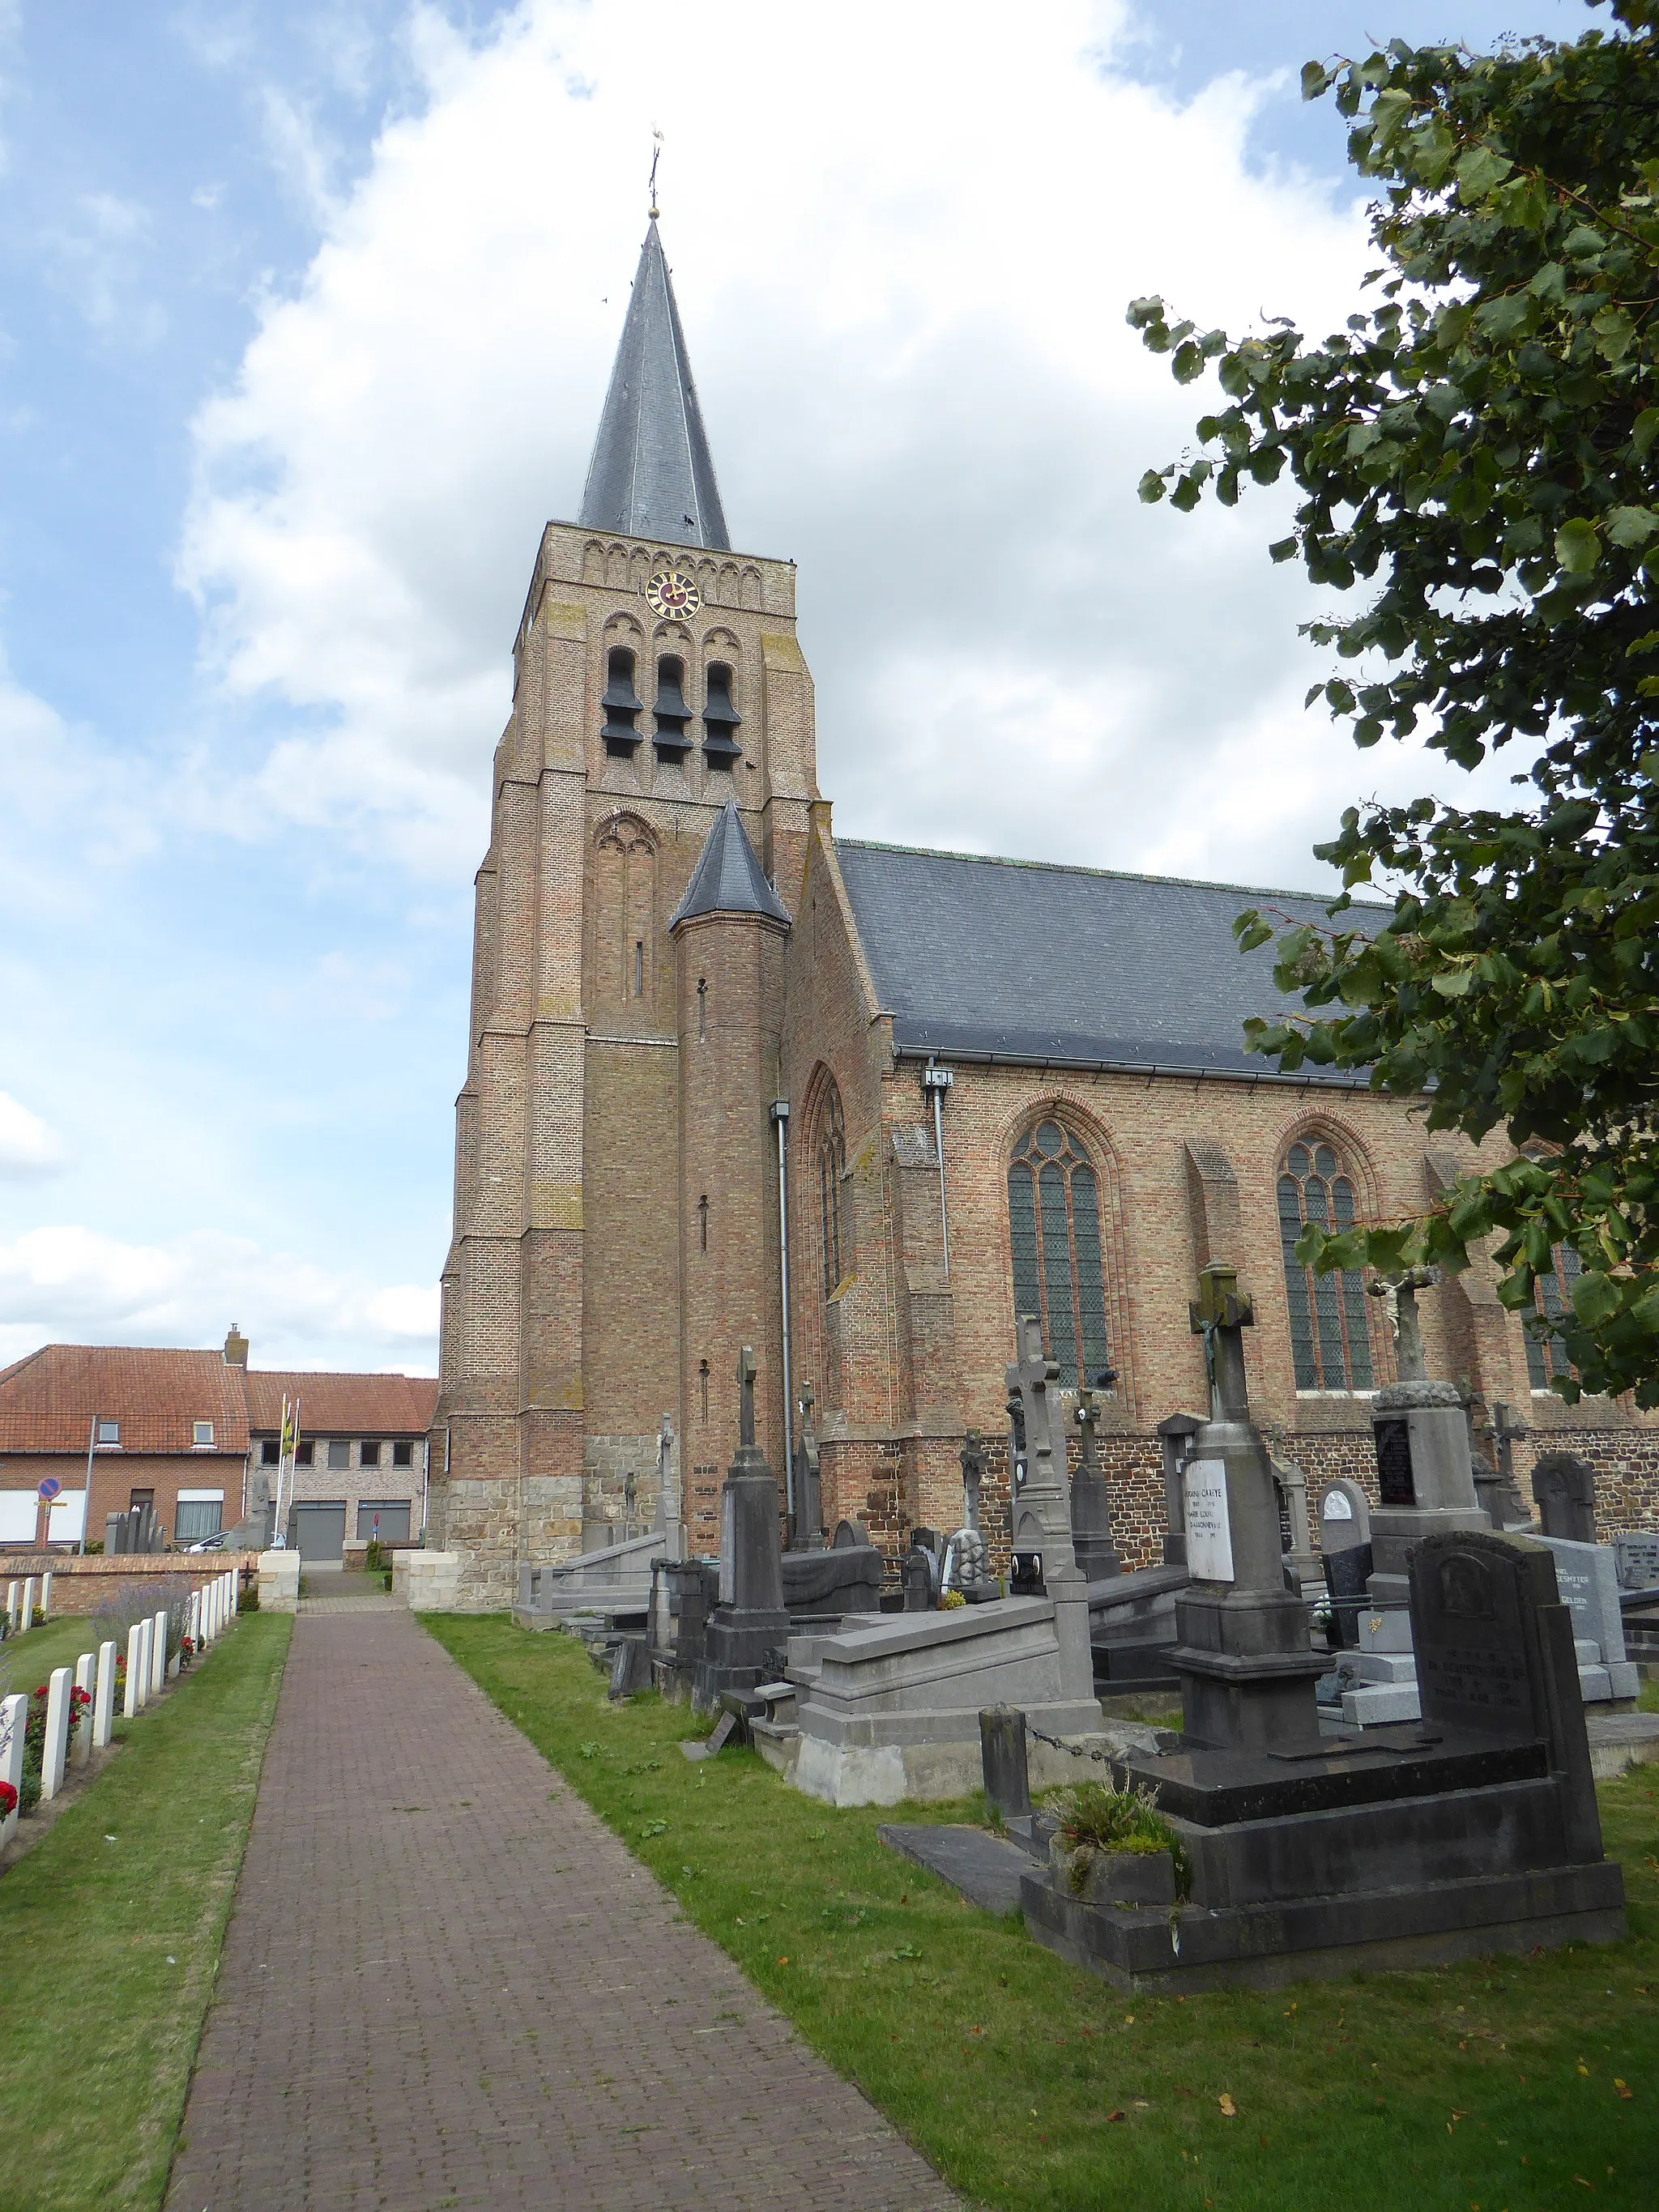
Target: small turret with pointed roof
x=728, y=877
x=651, y=474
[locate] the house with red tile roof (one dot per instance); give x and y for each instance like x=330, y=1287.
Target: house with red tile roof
x=196, y=1435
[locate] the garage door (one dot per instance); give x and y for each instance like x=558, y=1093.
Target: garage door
x=320, y=1530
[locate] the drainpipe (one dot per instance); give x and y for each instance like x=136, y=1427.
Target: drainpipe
x=780, y=1123
x=937, y=1080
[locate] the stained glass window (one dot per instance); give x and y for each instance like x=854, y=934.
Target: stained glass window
x=1054, y=1216
x=1330, y=1338
x=1546, y=1354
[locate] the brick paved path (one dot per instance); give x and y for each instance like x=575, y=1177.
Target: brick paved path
x=427, y=2003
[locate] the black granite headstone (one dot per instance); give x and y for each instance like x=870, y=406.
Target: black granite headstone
x=630, y=1667
x=918, y=1582
x=1394, y=1463
x=1347, y=1574
x=1478, y=1664
x=1565, y=1490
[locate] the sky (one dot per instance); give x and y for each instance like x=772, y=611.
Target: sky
x=307, y=312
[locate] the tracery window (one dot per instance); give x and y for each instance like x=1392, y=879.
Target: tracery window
x=625, y=882
x=832, y=1167
x=1060, y=1273
x=1546, y=1352
x=1330, y=1336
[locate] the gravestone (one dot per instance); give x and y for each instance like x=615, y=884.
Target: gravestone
x=848, y=1533
x=748, y=1623
x=54, y=1755
x=1587, y=1577
x=916, y=1572
x=138, y=1637
x=81, y=1738
x=1344, y=1544
x=1300, y=1563
x=1495, y=1659
x=1091, y=1505
x=1564, y=1487
x=1176, y=1436
x=1044, y=1561
x=1246, y=1666
x=630, y=1668
x=103, y=1701
x=158, y=1652
x=967, y=1556
x=808, y=1534
x=1426, y=1474
x=14, y=1744
x=1636, y=1555
x=1002, y=1757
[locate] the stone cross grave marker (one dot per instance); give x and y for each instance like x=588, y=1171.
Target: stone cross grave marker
x=1091, y=1504
x=1565, y=1490
x=747, y=1371
x=1042, y=1512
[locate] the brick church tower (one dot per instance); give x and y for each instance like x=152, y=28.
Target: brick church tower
x=617, y=1227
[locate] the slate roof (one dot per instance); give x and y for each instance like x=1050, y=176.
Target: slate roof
x=652, y=475
x=1022, y=961
x=728, y=877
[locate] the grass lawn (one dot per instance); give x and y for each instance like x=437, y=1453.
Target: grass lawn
x=27, y=1661
x=1032, y=2085
x=110, y=1932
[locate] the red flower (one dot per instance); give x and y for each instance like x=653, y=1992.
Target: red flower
x=8, y=1799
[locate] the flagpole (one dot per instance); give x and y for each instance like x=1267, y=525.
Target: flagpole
x=86, y=1503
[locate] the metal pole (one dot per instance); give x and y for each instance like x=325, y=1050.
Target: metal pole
x=86, y=1503
x=937, y=1081
x=780, y=1122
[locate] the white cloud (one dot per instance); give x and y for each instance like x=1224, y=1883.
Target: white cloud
x=97, y=257
x=73, y=1284
x=28, y=1146
x=904, y=240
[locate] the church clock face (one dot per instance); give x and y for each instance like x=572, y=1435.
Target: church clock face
x=672, y=592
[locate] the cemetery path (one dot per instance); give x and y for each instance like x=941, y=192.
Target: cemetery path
x=446, y=1983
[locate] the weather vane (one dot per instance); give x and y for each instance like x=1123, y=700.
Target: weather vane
x=656, y=156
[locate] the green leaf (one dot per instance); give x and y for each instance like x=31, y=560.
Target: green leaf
x=1577, y=548
x=1595, y=1299
x=1646, y=429
x=1151, y=488
x=1315, y=80
x=1630, y=526
x=1479, y=172
x=1282, y=549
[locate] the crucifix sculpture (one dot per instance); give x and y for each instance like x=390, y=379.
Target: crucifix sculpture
x=1220, y=1314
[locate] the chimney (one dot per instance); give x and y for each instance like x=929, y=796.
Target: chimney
x=236, y=1347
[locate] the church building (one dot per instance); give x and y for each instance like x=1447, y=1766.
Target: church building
x=734, y=1079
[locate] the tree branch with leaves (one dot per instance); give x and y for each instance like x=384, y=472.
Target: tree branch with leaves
x=1477, y=446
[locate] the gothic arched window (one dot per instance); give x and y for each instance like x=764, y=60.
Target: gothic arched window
x=624, y=928
x=1546, y=1354
x=1053, y=1219
x=832, y=1167
x=1330, y=1341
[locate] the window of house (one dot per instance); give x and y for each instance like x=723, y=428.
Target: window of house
x=137, y=1497
x=832, y=1169
x=339, y=1451
x=305, y=1453
x=201, y=1513
x=368, y=1452
x=383, y=1518
x=202, y=1432
x=1060, y=1273
x=1546, y=1352
x=270, y=1451
x=403, y=1455
x=1330, y=1337
x=109, y=1432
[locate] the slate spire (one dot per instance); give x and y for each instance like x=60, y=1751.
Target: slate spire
x=728, y=877
x=651, y=474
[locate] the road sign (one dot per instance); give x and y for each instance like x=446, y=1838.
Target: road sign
x=50, y=1488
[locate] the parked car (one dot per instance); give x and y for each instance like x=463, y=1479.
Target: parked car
x=210, y=1543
